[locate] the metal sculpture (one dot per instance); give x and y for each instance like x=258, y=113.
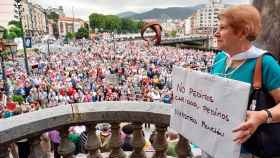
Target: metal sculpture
x=155, y=26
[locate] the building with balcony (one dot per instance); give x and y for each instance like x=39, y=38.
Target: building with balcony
x=34, y=19
x=205, y=20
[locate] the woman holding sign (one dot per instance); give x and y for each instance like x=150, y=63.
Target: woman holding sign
x=238, y=28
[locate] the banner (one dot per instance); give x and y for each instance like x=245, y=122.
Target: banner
x=206, y=108
x=28, y=42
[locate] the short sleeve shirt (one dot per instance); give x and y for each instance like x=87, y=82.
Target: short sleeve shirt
x=270, y=70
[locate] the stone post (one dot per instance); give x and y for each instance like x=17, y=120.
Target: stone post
x=93, y=142
x=115, y=142
x=159, y=142
x=138, y=142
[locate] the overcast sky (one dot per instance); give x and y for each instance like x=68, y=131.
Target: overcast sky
x=83, y=8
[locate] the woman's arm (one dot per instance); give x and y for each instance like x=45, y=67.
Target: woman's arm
x=255, y=118
x=275, y=111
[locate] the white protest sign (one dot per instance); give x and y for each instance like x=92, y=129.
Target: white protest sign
x=206, y=108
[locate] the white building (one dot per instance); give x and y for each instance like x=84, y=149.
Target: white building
x=188, y=26
x=69, y=24
x=205, y=20
x=34, y=19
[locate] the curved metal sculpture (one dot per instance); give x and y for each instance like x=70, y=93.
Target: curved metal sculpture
x=155, y=26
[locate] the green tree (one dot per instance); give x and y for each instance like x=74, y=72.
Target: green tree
x=140, y=24
x=112, y=23
x=82, y=33
x=173, y=33
x=54, y=16
x=70, y=35
x=15, y=22
x=11, y=35
x=128, y=25
x=96, y=21
x=16, y=30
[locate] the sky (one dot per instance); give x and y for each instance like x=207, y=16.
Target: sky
x=83, y=8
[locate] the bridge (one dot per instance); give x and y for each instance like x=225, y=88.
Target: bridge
x=194, y=40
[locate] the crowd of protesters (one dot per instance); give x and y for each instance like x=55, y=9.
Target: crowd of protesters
x=130, y=70
x=98, y=71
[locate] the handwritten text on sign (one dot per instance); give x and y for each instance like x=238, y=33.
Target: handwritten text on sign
x=206, y=110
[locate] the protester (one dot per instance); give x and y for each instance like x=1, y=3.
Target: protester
x=238, y=28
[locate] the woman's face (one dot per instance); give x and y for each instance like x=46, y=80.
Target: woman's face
x=226, y=37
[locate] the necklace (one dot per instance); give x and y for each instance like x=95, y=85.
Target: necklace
x=228, y=75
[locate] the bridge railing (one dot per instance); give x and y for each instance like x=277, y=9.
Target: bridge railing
x=32, y=125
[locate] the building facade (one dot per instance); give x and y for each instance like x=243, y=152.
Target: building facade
x=205, y=20
x=69, y=24
x=34, y=19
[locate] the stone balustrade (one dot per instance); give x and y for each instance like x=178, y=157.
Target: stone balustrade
x=32, y=125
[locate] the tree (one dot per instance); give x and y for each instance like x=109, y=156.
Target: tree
x=16, y=30
x=111, y=23
x=82, y=33
x=15, y=23
x=97, y=21
x=54, y=16
x=173, y=33
x=11, y=35
x=70, y=35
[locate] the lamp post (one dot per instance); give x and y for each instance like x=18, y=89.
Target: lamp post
x=13, y=49
x=48, y=42
x=2, y=48
x=18, y=6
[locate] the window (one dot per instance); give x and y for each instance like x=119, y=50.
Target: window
x=61, y=27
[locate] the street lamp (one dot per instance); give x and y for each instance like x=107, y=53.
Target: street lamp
x=2, y=48
x=13, y=49
x=18, y=6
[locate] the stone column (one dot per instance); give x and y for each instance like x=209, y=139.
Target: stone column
x=183, y=148
x=36, y=148
x=4, y=152
x=66, y=148
x=159, y=142
x=93, y=142
x=115, y=142
x=138, y=142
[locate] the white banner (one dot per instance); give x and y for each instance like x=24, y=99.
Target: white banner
x=206, y=108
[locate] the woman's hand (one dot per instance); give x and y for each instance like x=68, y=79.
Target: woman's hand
x=253, y=120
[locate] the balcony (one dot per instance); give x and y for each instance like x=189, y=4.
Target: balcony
x=32, y=125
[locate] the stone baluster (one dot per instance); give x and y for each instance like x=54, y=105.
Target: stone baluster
x=93, y=142
x=138, y=142
x=115, y=142
x=159, y=142
x=4, y=152
x=66, y=148
x=183, y=148
x=36, y=147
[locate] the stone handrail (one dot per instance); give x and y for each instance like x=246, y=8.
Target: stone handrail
x=31, y=125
